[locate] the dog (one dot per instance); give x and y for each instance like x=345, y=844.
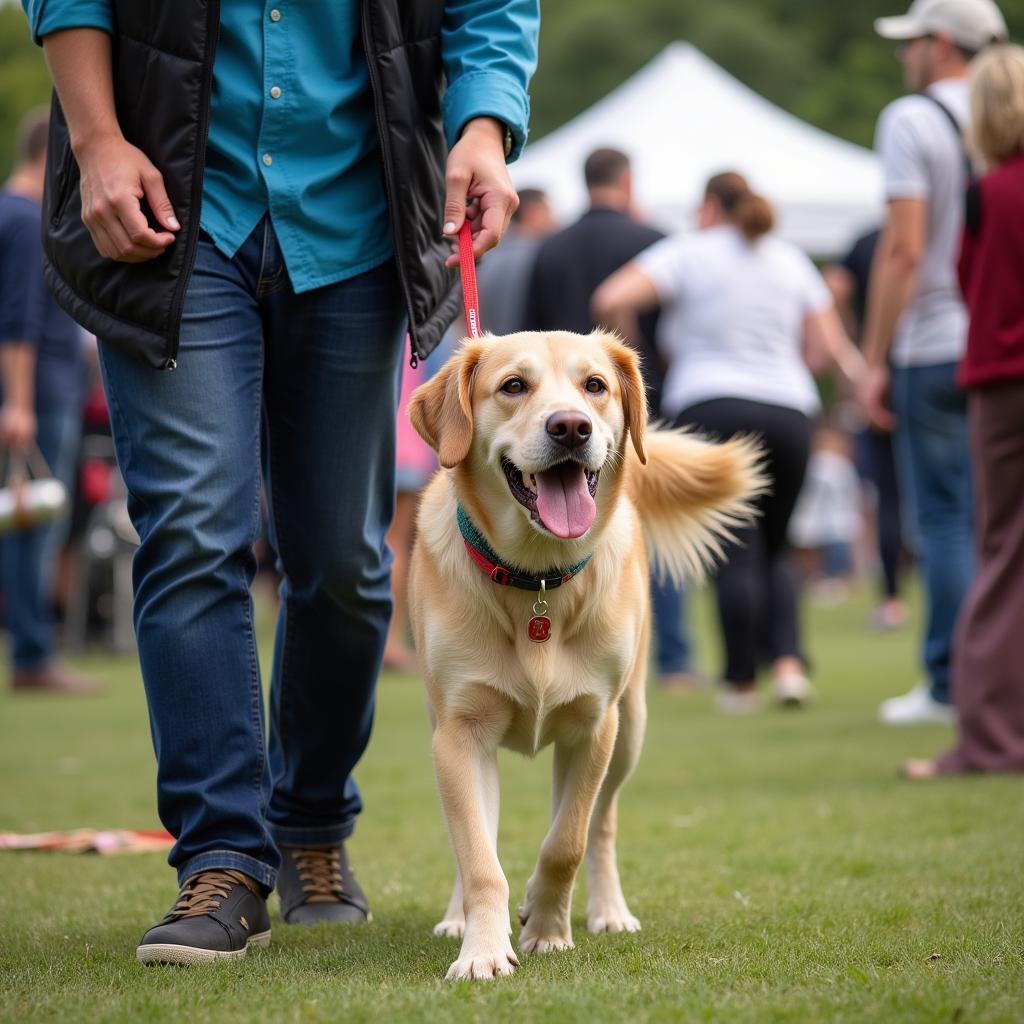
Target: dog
x=529, y=599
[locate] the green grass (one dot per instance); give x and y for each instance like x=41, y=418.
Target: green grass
x=780, y=868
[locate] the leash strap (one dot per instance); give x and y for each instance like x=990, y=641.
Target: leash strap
x=467, y=268
x=470, y=296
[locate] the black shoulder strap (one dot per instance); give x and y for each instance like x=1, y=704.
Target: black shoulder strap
x=973, y=208
x=951, y=117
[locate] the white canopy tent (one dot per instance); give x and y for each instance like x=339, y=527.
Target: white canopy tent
x=681, y=118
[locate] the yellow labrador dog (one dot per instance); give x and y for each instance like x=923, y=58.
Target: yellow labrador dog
x=529, y=599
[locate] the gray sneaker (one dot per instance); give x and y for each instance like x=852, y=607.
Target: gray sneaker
x=316, y=883
x=218, y=915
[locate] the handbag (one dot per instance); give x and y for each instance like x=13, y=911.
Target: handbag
x=30, y=495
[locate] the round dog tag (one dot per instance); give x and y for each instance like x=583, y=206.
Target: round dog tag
x=539, y=629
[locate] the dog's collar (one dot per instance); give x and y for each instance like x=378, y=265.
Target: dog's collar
x=508, y=576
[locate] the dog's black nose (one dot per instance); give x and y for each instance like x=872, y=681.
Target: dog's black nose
x=569, y=428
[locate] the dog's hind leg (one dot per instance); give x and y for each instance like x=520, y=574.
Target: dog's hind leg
x=606, y=906
x=454, y=922
x=579, y=768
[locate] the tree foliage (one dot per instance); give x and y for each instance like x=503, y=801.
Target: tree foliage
x=821, y=61
x=24, y=80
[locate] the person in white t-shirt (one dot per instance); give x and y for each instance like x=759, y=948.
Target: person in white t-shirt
x=739, y=308
x=916, y=320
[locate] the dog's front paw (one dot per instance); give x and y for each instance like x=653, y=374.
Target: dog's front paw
x=545, y=921
x=611, y=917
x=543, y=932
x=481, y=964
x=450, y=927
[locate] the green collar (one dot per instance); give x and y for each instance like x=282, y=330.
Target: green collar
x=508, y=576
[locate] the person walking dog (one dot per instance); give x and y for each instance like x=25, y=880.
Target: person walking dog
x=247, y=203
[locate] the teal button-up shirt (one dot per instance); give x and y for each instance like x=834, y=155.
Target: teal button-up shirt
x=292, y=126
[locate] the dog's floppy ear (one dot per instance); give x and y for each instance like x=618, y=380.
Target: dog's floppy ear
x=442, y=409
x=631, y=385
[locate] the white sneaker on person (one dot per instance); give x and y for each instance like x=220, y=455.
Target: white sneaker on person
x=792, y=690
x=918, y=707
x=731, y=701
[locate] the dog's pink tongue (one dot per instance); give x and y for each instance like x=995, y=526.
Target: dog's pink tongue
x=564, y=502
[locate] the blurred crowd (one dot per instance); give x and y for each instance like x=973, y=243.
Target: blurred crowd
x=885, y=386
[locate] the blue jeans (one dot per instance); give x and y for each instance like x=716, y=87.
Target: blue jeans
x=673, y=647
x=306, y=388
x=934, y=459
x=836, y=559
x=29, y=557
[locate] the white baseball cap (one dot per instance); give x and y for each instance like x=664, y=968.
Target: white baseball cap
x=972, y=24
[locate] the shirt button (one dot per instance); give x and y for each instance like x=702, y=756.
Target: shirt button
x=275, y=92
x=267, y=159
x=275, y=15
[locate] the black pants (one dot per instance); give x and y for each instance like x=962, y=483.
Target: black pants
x=877, y=464
x=756, y=584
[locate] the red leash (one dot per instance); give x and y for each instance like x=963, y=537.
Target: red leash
x=470, y=296
x=467, y=268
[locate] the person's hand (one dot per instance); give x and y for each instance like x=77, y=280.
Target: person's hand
x=17, y=428
x=116, y=176
x=476, y=170
x=873, y=394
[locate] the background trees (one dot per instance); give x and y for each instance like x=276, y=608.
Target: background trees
x=819, y=60
x=24, y=82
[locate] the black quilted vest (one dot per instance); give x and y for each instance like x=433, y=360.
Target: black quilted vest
x=163, y=69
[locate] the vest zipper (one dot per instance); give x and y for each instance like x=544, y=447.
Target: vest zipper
x=389, y=178
x=196, y=198
x=64, y=196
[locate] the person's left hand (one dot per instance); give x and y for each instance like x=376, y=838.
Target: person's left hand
x=873, y=393
x=476, y=170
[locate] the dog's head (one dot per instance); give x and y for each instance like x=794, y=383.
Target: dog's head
x=541, y=415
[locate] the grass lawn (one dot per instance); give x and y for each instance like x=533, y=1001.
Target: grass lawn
x=780, y=868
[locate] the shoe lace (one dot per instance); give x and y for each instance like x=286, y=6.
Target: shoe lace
x=203, y=892
x=319, y=874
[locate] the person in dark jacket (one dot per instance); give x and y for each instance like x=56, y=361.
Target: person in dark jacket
x=570, y=264
x=250, y=196
x=988, y=650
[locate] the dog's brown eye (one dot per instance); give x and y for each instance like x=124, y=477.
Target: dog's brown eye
x=513, y=386
x=595, y=386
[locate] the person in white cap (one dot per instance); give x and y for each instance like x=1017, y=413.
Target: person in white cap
x=916, y=321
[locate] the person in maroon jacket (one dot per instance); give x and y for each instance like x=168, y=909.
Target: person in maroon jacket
x=989, y=644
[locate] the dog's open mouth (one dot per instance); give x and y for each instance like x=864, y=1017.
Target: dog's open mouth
x=560, y=498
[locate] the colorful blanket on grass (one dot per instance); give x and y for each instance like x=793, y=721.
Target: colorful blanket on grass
x=89, y=840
